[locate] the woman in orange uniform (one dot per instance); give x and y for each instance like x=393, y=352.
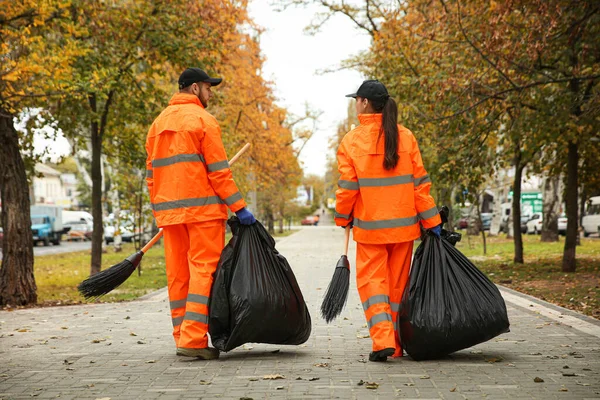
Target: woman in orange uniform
x=384, y=195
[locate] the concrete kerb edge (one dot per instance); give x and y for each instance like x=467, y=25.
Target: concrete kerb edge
x=554, y=307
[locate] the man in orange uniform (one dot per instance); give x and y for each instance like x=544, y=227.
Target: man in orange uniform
x=190, y=187
x=384, y=194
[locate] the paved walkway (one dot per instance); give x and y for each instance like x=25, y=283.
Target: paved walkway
x=125, y=351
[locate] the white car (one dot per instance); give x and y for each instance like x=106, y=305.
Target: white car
x=591, y=220
x=562, y=225
x=534, y=225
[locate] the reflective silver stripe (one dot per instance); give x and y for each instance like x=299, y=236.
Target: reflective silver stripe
x=421, y=180
x=149, y=173
x=350, y=185
x=193, y=316
x=338, y=215
x=197, y=298
x=217, y=166
x=163, y=162
x=395, y=307
x=233, y=198
x=380, y=298
x=386, y=223
x=377, y=318
x=432, y=212
x=177, y=304
x=194, y=202
x=177, y=321
x=390, y=181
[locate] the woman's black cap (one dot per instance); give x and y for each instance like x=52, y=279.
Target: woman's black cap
x=371, y=89
x=194, y=75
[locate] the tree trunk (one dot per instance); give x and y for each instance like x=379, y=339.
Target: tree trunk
x=97, y=234
x=516, y=210
x=569, y=264
x=17, y=283
x=552, y=196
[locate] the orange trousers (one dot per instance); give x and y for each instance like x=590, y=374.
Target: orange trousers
x=382, y=272
x=192, y=252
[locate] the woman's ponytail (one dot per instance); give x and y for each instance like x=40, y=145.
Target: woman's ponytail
x=389, y=128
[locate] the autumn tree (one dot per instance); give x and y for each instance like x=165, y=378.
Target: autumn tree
x=491, y=84
x=37, y=51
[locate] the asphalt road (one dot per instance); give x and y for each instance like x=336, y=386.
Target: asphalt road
x=63, y=247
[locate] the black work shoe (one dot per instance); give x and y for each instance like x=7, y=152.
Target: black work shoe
x=207, y=353
x=381, y=355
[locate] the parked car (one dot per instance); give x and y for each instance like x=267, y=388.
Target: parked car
x=486, y=221
x=80, y=230
x=310, y=220
x=524, y=219
x=1, y=236
x=109, y=234
x=534, y=225
x=591, y=220
x=562, y=225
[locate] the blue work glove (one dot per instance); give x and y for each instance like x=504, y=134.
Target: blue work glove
x=436, y=230
x=245, y=216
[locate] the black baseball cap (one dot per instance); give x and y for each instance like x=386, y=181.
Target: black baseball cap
x=371, y=89
x=194, y=75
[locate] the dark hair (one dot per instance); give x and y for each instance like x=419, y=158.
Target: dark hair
x=389, y=129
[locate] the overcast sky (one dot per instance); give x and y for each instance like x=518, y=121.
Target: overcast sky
x=292, y=61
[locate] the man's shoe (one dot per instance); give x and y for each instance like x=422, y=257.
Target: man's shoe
x=381, y=355
x=206, y=353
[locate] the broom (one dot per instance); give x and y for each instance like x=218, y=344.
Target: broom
x=337, y=291
x=104, y=281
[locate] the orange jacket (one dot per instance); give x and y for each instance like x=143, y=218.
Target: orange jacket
x=187, y=171
x=386, y=206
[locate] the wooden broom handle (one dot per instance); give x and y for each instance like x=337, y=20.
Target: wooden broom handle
x=157, y=237
x=347, y=239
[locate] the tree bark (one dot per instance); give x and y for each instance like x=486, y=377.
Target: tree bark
x=97, y=234
x=552, y=196
x=516, y=210
x=569, y=263
x=17, y=283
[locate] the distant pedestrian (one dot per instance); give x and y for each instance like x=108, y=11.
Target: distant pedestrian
x=384, y=194
x=190, y=187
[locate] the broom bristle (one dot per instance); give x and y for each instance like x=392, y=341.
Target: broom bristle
x=105, y=281
x=337, y=291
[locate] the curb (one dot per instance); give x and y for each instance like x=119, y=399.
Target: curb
x=582, y=323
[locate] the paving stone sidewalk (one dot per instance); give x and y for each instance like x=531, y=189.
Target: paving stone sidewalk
x=125, y=351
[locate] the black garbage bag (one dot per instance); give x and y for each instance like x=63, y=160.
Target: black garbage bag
x=255, y=296
x=449, y=304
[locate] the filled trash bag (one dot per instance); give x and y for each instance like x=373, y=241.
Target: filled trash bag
x=255, y=296
x=449, y=304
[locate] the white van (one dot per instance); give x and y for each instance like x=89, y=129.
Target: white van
x=591, y=219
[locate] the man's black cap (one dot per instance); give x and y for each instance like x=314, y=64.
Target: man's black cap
x=194, y=75
x=372, y=90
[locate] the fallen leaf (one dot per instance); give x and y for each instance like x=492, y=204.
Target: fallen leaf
x=23, y=330
x=476, y=352
x=313, y=379
x=494, y=359
x=563, y=389
x=360, y=383
x=279, y=388
x=409, y=384
x=150, y=361
x=453, y=389
x=371, y=385
x=67, y=362
x=362, y=336
x=132, y=334
x=70, y=369
x=64, y=327
x=322, y=365
x=362, y=360
x=273, y=377
x=424, y=377
x=98, y=340
x=535, y=354
x=569, y=374
x=203, y=382
x=141, y=342
x=537, y=379
x=583, y=384
x=128, y=317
